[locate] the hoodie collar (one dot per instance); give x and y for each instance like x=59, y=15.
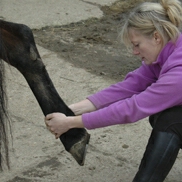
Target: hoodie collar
x=167, y=51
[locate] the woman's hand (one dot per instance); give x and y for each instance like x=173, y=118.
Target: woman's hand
x=57, y=124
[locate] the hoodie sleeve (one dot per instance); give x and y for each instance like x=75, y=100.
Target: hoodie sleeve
x=134, y=83
x=160, y=95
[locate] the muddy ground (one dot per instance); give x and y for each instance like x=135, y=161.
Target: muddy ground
x=93, y=44
x=114, y=152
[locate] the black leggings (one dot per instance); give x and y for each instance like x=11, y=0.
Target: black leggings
x=169, y=120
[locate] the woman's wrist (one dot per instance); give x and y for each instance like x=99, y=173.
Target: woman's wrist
x=83, y=106
x=75, y=122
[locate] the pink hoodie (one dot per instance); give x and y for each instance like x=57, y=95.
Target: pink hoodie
x=145, y=91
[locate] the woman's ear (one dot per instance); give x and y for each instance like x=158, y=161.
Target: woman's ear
x=157, y=37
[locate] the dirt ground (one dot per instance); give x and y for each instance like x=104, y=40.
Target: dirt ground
x=114, y=152
x=93, y=44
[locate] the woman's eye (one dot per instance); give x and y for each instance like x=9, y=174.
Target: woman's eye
x=136, y=45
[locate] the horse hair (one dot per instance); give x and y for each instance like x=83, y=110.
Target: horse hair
x=4, y=120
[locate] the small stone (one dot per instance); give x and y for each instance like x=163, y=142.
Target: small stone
x=91, y=168
x=125, y=146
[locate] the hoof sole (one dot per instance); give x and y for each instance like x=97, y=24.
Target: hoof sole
x=79, y=150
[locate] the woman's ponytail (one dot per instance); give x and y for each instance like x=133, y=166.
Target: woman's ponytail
x=173, y=10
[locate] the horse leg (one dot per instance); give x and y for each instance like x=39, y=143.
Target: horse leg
x=21, y=52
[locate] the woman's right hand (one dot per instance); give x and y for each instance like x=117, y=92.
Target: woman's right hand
x=81, y=107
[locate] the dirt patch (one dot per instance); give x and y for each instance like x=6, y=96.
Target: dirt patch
x=93, y=44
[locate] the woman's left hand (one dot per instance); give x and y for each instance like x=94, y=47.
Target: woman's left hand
x=57, y=124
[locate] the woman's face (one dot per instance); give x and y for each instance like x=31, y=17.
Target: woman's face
x=147, y=48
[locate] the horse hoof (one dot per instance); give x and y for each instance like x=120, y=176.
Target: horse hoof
x=79, y=150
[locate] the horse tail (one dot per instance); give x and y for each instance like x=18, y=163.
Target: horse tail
x=4, y=120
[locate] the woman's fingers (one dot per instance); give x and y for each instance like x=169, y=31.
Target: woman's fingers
x=57, y=124
x=49, y=116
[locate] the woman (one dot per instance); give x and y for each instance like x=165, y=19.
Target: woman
x=154, y=89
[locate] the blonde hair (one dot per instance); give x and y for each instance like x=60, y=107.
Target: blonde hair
x=164, y=17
